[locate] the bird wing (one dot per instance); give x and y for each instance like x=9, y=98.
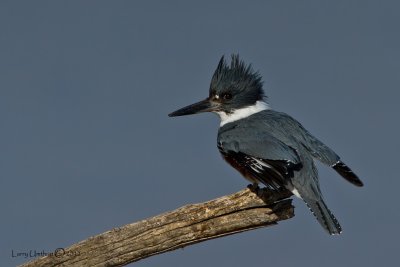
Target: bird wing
x=326, y=155
x=318, y=150
x=260, y=156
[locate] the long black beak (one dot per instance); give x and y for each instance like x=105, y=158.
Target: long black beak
x=202, y=106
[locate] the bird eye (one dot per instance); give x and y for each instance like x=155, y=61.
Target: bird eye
x=226, y=96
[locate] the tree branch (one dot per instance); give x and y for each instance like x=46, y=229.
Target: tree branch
x=190, y=224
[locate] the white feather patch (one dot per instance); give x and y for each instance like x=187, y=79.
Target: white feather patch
x=296, y=193
x=242, y=113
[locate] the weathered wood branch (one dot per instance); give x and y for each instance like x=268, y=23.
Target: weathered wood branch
x=241, y=211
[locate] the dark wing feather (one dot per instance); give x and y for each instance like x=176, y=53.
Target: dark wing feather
x=347, y=173
x=263, y=159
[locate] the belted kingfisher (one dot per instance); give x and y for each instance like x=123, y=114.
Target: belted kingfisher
x=266, y=146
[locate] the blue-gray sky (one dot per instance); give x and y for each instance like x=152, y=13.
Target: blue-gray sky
x=86, y=144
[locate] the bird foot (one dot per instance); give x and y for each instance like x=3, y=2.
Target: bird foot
x=254, y=188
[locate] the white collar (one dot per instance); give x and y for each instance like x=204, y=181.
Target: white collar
x=242, y=113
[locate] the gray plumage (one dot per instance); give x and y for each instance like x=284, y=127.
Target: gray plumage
x=265, y=146
x=282, y=139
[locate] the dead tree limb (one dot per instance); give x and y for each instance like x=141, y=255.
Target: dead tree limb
x=239, y=212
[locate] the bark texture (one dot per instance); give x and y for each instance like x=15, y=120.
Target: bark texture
x=190, y=224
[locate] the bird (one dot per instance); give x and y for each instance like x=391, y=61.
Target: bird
x=265, y=146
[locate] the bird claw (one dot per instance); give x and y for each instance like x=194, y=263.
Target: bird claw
x=254, y=188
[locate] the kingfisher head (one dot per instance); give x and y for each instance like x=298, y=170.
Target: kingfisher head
x=235, y=92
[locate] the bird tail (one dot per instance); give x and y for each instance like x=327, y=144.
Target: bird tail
x=324, y=216
x=347, y=173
